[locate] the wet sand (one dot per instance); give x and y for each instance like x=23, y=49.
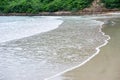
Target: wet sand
x=104, y=66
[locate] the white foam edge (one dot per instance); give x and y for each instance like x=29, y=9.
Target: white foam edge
x=49, y=17
x=97, y=52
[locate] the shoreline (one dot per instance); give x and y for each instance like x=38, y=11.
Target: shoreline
x=87, y=60
x=104, y=66
x=61, y=13
x=98, y=48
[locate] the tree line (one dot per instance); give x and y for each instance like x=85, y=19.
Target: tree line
x=36, y=6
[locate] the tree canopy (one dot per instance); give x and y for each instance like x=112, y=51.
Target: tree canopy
x=35, y=6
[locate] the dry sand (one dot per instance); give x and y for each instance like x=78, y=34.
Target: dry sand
x=104, y=66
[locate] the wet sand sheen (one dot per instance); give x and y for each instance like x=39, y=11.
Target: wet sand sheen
x=105, y=66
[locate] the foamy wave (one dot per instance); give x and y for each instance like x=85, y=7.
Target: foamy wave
x=57, y=51
x=21, y=28
x=97, y=48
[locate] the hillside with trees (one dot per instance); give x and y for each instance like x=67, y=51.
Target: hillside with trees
x=36, y=6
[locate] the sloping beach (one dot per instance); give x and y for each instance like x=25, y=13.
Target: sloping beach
x=42, y=55
x=58, y=52
x=104, y=66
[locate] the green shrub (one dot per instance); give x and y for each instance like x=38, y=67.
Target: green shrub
x=36, y=6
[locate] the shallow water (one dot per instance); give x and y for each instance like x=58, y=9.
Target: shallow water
x=104, y=66
x=12, y=28
x=41, y=56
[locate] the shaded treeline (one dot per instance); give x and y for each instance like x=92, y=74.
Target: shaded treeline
x=111, y=3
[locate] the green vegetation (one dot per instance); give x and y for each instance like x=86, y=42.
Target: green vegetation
x=35, y=6
x=111, y=3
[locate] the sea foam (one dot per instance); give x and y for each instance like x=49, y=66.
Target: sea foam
x=12, y=28
x=52, y=53
x=88, y=59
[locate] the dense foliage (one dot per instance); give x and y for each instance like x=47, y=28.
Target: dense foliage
x=111, y=3
x=35, y=6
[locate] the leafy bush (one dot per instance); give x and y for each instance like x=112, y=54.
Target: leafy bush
x=36, y=6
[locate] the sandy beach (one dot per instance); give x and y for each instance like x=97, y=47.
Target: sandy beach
x=61, y=52
x=104, y=66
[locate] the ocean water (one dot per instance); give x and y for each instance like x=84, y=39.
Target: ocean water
x=12, y=28
x=100, y=67
x=38, y=48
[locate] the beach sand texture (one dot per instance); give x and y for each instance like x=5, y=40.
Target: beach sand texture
x=104, y=66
